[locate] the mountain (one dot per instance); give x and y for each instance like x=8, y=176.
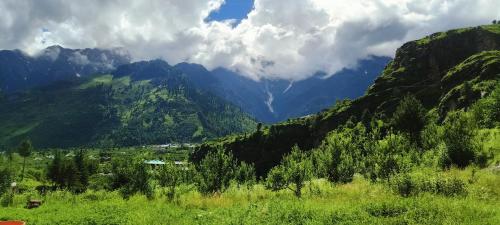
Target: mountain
x=278, y=100
x=19, y=71
x=445, y=71
x=267, y=100
x=140, y=103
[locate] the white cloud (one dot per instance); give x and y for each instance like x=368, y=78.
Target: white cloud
x=280, y=39
x=79, y=59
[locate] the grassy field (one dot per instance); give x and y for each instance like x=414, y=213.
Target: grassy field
x=359, y=202
x=475, y=200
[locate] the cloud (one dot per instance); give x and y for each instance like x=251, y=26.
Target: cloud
x=79, y=59
x=280, y=39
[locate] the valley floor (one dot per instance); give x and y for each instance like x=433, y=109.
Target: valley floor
x=359, y=202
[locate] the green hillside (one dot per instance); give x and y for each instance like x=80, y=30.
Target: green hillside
x=445, y=71
x=118, y=110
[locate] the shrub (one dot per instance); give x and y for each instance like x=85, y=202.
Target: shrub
x=215, y=171
x=460, y=137
x=335, y=158
x=131, y=179
x=392, y=155
x=295, y=169
x=409, y=117
x=245, y=174
x=170, y=176
x=415, y=183
x=5, y=181
x=486, y=111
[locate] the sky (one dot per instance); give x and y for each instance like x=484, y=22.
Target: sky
x=272, y=39
x=232, y=10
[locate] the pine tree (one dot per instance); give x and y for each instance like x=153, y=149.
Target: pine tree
x=54, y=172
x=409, y=117
x=24, y=150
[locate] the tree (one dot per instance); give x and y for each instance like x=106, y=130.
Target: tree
x=5, y=180
x=294, y=170
x=459, y=134
x=494, y=22
x=170, y=176
x=215, y=171
x=245, y=174
x=10, y=156
x=486, y=111
x=24, y=150
x=82, y=171
x=409, y=117
x=131, y=178
x=335, y=158
x=55, y=170
x=390, y=156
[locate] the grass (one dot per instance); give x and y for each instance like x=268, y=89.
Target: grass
x=100, y=80
x=359, y=202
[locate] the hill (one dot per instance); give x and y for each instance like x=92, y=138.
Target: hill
x=445, y=71
x=139, y=103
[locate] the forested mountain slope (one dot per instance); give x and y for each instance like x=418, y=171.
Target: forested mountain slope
x=445, y=71
x=139, y=103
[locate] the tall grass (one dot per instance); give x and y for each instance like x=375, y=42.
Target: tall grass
x=358, y=202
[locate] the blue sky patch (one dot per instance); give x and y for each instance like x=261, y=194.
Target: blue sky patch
x=232, y=9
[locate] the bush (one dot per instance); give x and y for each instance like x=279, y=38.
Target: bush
x=409, y=117
x=245, y=174
x=460, y=137
x=335, y=158
x=215, y=172
x=5, y=181
x=392, y=155
x=417, y=183
x=486, y=111
x=295, y=169
x=170, y=176
x=131, y=179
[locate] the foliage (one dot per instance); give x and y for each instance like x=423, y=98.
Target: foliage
x=170, y=176
x=392, y=155
x=245, y=174
x=72, y=174
x=340, y=154
x=215, y=172
x=295, y=169
x=24, y=150
x=460, y=137
x=487, y=110
x=112, y=110
x=410, y=117
x=131, y=178
x=5, y=180
x=419, y=183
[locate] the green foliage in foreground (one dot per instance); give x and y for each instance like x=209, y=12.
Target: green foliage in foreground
x=359, y=202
